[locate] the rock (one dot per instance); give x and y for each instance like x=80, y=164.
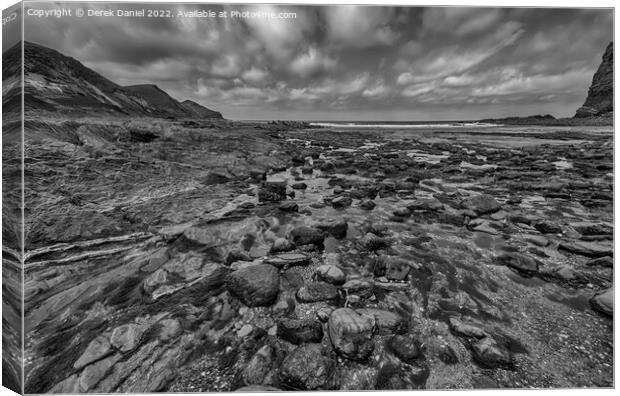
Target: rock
x=518, y=261
x=288, y=260
x=156, y=260
x=245, y=330
x=156, y=279
x=380, y=229
x=299, y=186
x=126, y=337
x=373, y=242
x=282, y=245
x=486, y=226
x=317, y=291
x=605, y=261
x=466, y=330
x=259, y=366
x=299, y=331
x=306, y=369
x=488, y=353
x=331, y=274
x=367, y=204
x=547, y=227
x=256, y=285
x=307, y=236
x=604, y=302
x=170, y=329
x=482, y=204
x=323, y=313
x=447, y=354
x=590, y=229
x=425, y=204
x=359, y=287
x=588, y=249
x=272, y=191
x=97, y=349
x=402, y=212
x=396, y=268
x=336, y=228
x=95, y=372
x=258, y=389
x=386, y=322
x=405, y=347
x=537, y=240
x=351, y=333
x=600, y=100
x=67, y=386
x=237, y=255
x=341, y=202
x=288, y=206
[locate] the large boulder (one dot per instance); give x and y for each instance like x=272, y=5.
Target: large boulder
x=306, y=369
x=351, y=333
x=256, y=285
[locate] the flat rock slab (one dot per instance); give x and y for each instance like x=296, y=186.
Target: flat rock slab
x=98, y=348
x=518, y=261
x=465, y=330
x=288, y=260
x=588, y=249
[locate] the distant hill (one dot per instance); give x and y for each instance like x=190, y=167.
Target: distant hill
x=600, y=98
x=55, y=82
x=200, y=111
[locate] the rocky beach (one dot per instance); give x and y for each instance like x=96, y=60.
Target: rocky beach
x=318, y=259
x=169, y=249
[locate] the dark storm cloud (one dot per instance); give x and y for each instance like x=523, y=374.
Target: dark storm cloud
x=348, y=62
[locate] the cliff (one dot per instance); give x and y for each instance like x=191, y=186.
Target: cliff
x=600, y=98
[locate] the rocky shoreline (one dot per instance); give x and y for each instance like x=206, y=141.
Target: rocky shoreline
x=220, y=256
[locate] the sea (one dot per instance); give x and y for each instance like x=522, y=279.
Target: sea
x=401, y=124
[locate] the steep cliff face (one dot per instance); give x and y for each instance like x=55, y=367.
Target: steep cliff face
x=600, y=98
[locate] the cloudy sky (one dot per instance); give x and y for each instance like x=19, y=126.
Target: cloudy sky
x=347, y=62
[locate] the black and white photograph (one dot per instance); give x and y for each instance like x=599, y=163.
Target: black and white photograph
x=226, y=197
